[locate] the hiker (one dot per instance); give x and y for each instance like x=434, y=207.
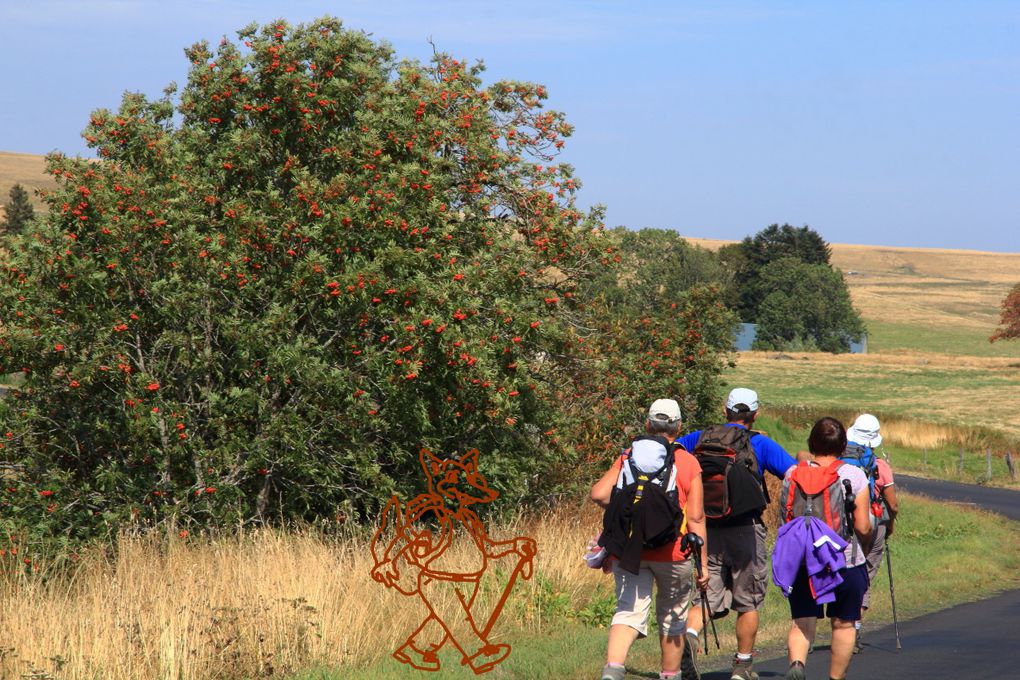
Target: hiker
x=652, y=461
x=866, y=433
x=833, y=533
x=737, y=555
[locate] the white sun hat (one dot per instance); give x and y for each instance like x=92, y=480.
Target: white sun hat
x=865, y=430
x=665, y=410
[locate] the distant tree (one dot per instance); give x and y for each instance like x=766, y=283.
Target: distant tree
x=656, y=263
x=1009, y=324
x=661, y=328
x=805, y=306
x=733, y=261
x=18, y=211
x=768, y=245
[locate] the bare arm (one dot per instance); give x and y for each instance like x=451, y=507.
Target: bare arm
x=891, y=502
x=862, y=518
x=695, y=513
x=603, y=489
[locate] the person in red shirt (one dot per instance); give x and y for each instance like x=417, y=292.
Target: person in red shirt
x=668, y=567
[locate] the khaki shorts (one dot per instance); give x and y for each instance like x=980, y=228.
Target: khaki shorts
x=673, y=581
x=737, y=569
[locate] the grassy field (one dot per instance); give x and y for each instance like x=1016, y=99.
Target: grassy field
x=937, y=389
x=930, y=367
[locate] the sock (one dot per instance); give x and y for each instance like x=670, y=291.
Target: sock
x=615, y=665
x=743, y=657
x=693, y=633
x=675, y=675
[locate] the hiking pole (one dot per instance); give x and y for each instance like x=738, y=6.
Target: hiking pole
x=892, y=595
x=694, y=543
x=524, y=569
x=848, y=507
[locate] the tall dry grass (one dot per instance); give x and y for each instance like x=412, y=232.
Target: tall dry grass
x=263, y=604
x=901, y=431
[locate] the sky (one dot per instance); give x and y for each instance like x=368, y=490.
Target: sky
x=892, y=122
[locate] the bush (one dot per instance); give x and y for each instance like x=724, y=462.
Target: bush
x=278, y=286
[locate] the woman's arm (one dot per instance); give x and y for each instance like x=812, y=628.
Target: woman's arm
x=862, y=518
x=695, y=513
x=603, y=489
x=891, y=502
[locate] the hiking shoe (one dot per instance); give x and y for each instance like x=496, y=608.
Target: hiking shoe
x=689, y=659
x=742, y=670
x=796, y=671
x=613, y=672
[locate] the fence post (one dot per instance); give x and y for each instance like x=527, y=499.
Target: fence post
x=988, y=464
x=960, y=466
x=925, y=459
x=1009, y=464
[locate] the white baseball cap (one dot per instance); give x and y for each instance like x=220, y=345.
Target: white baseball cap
x=665, y=410
x=865, y=430
x=742, y=396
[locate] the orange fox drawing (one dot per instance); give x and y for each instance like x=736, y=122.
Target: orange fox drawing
x=414, y=561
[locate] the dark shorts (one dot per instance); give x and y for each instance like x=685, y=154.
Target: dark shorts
x=849, y=595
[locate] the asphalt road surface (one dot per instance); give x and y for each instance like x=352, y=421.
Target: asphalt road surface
x=975, y=641
x=1003, y=501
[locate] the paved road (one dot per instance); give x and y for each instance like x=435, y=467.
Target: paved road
x=1003, y=501
x=976, y=641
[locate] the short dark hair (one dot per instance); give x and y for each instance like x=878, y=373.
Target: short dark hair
x=827, y=438
x=744, y=415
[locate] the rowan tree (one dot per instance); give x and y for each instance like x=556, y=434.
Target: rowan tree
x=277, y=286
x=660, y=328
x=1009, y=322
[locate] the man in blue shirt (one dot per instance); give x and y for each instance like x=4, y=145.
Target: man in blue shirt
x=737, y=557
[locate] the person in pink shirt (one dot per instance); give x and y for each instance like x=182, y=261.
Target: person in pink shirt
x=866, y=431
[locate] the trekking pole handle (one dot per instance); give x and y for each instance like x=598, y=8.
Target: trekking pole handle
x=692, y=543
x=848, y=500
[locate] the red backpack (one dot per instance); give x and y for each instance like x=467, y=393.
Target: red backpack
x=812, y=490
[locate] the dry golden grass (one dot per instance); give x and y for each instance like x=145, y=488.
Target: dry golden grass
x=262, y=605
x=25, y=169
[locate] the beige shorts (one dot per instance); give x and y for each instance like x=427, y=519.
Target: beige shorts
x=673, y=585
x=737, y=569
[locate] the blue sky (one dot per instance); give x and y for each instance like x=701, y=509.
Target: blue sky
x=885, y=123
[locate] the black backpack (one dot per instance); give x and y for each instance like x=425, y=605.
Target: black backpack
x=730, y=475
x=644, y=510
